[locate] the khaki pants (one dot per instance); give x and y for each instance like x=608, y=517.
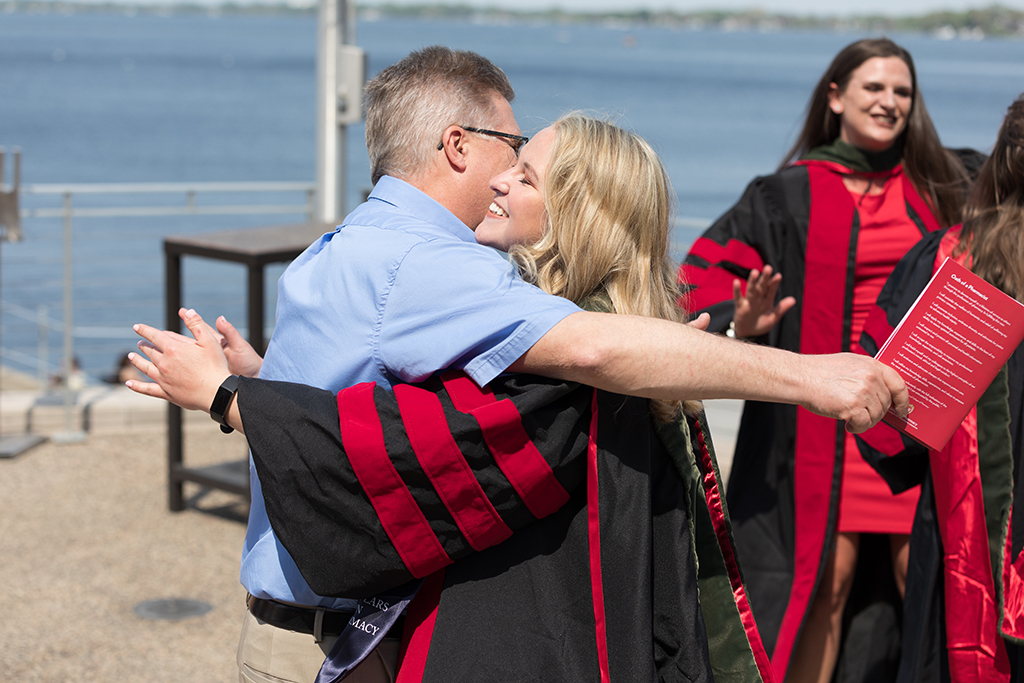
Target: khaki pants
x=267, y=654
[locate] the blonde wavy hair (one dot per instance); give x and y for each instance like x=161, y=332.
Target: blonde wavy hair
x=608, y=204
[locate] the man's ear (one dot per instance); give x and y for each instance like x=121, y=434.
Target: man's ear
x=453, y=144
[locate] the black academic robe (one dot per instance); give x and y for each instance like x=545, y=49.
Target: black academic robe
x=784, y=488
x=965, y=597
x=557, y=529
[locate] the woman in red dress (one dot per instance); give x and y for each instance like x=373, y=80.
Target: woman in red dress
x=870, y=179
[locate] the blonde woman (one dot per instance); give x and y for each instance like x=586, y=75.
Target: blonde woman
x=611, y=499
x=591, y=225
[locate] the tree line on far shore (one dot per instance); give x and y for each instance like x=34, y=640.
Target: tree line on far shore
x=971, y=24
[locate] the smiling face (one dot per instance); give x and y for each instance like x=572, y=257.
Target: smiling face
x=495, y=155
x=874, y=106
x=517, y=214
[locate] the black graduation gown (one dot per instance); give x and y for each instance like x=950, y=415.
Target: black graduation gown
x=557, y=528
x=990, y=446
x=784, y=488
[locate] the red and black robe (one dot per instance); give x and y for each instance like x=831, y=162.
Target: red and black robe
x=562, y=535
x=965, y=582
x=784, y=489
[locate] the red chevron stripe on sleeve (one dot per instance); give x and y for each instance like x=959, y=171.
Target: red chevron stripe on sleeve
x=443, y=463
x=464, y=392
x=713, y=284
x=402, y=519
x=516, y=455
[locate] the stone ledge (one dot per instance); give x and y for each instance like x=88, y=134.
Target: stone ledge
x=94, y=410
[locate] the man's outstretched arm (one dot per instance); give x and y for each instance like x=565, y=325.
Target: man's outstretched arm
x=659, y=359
x=620, y=353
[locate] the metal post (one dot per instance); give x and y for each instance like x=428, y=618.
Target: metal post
x=10, y=231
x=340, y=72
x=175, y=457
x=3, y=236
x=70, y=434
x=43, y=354
x=329, y=139
x=255, y=306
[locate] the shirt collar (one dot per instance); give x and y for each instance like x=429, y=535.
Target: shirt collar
x=407, y=198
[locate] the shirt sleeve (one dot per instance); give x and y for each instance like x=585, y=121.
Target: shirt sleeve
x=455, y=305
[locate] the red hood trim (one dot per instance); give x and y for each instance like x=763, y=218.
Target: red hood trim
x=976, y=651
x=419, y=629
x=594, y=538
x=739, y=592
x=816, y=451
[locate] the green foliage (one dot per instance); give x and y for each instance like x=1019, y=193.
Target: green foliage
x=972, y=24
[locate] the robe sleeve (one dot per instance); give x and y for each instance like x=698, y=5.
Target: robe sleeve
x=900, y=460
x=741, y=240
x=370, y=488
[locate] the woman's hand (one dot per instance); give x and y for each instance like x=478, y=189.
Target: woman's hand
x=187, y=372
x=701, y=322
x=242, y=358
x=756, y=312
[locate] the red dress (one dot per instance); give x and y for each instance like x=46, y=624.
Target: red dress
x=866, y=504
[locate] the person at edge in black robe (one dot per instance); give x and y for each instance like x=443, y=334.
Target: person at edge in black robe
x=796, y=264
x=565, y=533
x=965, y=585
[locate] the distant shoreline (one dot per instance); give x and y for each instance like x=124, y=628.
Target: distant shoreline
x=970, y=25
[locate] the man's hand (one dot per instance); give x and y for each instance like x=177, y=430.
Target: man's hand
x=242, y=358
x=853, y=388
x=186, y=372
x=756, y=311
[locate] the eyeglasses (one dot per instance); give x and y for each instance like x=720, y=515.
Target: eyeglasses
x=516, y=142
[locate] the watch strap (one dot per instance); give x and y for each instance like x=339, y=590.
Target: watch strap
x=219, y=407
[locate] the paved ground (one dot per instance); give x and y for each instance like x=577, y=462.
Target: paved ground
x=85, y=537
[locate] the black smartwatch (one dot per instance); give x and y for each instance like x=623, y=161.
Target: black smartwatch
x=219, y=407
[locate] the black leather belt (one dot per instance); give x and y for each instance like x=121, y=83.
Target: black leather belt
x=295, y=618
x=303, y=619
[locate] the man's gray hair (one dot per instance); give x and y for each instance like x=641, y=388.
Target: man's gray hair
x=411, y=103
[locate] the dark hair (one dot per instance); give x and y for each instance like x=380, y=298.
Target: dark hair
x=993, y=228
x=936, y=172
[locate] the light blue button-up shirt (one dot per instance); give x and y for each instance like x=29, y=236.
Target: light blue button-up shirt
x=398, y=292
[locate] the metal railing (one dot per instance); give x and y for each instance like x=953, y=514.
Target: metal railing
x=189, y=190
x=114, y=204
x=40, y=269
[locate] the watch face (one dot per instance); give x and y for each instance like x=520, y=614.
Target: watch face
x=225, y=392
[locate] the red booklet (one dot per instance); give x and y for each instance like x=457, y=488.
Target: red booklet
x=948, y=348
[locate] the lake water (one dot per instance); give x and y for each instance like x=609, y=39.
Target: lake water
x=110, y=98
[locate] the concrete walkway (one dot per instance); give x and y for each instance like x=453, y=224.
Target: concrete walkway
x=85, y=537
